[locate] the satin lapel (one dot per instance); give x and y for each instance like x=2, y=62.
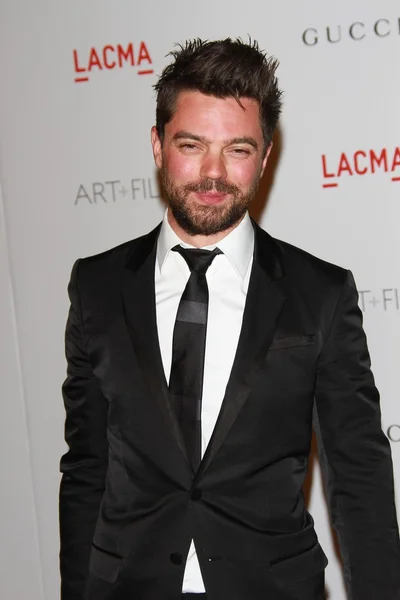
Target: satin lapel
x=264, y=302
x=138, y=295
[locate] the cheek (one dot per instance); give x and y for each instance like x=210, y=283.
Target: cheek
x=180, y=169
x=244, y=173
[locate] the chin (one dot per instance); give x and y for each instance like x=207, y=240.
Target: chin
x=209, y=220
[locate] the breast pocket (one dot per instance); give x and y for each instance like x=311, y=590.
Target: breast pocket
x=292, y=341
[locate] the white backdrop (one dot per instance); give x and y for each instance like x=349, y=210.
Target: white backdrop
x=77, y=177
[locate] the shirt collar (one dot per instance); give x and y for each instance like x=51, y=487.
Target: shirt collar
x=238, y=245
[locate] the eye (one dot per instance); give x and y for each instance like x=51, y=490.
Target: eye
x=188, y=146
x=240, y=151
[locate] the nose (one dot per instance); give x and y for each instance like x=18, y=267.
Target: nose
x=213, y=166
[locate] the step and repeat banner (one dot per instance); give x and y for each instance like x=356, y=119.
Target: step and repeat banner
x=77, y=177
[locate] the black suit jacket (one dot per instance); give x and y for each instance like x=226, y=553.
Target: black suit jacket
x=130, y=503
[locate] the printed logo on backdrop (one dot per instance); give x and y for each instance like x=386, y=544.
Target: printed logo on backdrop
x=393, y=433
x=115, y=191
x=337, y=168
x=385, y=300
x=112, y=57
x=357, y=31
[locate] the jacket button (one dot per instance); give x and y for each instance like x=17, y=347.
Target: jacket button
x=176, y=558
x=196, y=494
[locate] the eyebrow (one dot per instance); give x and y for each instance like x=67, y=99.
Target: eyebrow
x=200, y=138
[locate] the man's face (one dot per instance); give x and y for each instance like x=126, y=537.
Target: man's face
x=211, y=161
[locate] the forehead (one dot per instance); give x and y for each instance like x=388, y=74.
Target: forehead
x=211, y=116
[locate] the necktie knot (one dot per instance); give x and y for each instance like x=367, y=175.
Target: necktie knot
x=197, y=259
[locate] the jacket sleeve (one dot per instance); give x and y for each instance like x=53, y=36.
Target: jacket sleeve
x=84, y=466
x=355, y=457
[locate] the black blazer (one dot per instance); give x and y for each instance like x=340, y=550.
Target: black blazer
x=130, y=503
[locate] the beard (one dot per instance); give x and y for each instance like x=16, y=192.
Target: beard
x=198, y=219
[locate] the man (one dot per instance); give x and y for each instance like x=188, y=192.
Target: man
x=198, y=356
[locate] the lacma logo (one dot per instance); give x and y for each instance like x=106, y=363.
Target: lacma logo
x=360, y=163
x=112, y=56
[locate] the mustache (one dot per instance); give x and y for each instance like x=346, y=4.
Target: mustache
x=208, y=185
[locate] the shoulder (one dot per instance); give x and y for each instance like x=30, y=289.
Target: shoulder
x=299, y=263
x=109, y=263
x=310, y=281
x=294, y=262
x=303, y=275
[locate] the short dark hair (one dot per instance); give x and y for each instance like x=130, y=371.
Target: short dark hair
x=221, y=68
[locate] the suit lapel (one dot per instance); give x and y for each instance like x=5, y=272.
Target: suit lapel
x=138, y=296
x=264, y=302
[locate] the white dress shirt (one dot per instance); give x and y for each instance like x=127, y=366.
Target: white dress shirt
x=228, y=280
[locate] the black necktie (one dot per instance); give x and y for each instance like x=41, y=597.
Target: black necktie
x=188, y=348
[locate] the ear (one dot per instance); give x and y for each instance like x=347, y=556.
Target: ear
x=265, y=159
x=157, y=147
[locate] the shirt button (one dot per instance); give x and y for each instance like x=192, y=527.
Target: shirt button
x=196, y=494
x=176, y=558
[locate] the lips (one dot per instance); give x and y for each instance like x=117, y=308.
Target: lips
x=211, y=197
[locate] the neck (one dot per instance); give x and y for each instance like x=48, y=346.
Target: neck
x=199, y=241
